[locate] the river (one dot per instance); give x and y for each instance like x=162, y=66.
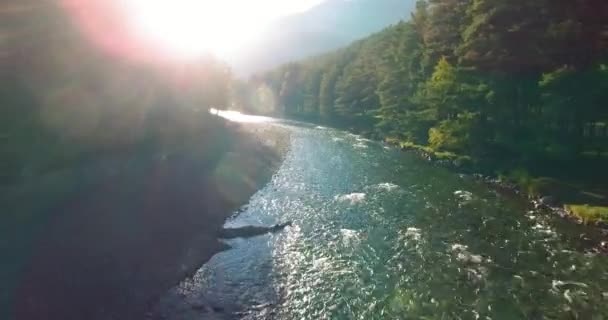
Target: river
x=380, y=234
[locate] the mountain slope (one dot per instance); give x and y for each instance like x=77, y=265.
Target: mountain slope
x=494, y=87
x=332, y=24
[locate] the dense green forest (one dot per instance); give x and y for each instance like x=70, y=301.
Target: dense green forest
x=518, y=82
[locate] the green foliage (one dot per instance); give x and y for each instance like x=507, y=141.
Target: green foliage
x=457, y=135
x=520, y=80
x=442, y=34
x=518, y=176
x=326, y=94
x=588, y=214
x=64, y=102
x=542, y=186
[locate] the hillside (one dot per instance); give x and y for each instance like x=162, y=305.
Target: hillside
x=330, y=25
x=506, y=86
x=108, y=165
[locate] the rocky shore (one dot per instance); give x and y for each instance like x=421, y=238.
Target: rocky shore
x=544, y=195
x=140, y=226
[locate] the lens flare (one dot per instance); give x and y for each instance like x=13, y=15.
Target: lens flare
x=180, y=28
x=190, y=27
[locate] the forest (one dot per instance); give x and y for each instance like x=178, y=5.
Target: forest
x=65, y=101
x=116, y=181
x=507, y=83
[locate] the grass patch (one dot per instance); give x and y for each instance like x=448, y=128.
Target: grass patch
x=541, y=186
x=588, y=214
x=456, y=159
x=444, y=155
x=550, y=186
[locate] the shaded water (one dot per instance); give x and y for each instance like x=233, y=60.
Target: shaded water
x=380, y=234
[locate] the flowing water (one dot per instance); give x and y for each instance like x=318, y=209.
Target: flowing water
x=379, y=234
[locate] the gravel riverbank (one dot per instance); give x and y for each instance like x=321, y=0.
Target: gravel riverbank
x=113, y=248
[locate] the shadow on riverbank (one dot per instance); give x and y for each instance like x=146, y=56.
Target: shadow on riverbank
x=114, y=233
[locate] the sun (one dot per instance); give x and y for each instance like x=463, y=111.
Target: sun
x=192, y=27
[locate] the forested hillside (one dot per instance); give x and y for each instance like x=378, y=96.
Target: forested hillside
x=520, y=82
x=98, y=143
x=66, y=99
x=328, y=26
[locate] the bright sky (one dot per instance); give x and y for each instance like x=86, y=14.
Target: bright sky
x=191, y=27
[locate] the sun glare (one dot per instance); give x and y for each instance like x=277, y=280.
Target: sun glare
x=221, y=27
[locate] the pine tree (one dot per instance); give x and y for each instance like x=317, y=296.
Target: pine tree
x=443, y=30
x=326, y=94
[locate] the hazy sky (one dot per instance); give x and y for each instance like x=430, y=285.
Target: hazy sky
x=191, y=27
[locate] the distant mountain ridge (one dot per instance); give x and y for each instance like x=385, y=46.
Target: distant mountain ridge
x=330, y=25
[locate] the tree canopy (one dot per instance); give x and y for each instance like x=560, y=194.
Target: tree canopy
x=524, y=79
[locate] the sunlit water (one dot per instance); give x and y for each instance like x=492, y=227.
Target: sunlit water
x=241, y=117
x=379, y=234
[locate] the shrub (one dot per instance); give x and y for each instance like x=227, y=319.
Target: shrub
x=588, y=214
x=457, y=135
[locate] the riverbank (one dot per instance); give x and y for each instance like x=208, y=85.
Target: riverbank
x=579, y=201
x=579, y=194
x=376, y=231
x=117, y=232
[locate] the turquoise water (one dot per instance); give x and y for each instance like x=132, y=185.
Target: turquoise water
x=380, y=234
